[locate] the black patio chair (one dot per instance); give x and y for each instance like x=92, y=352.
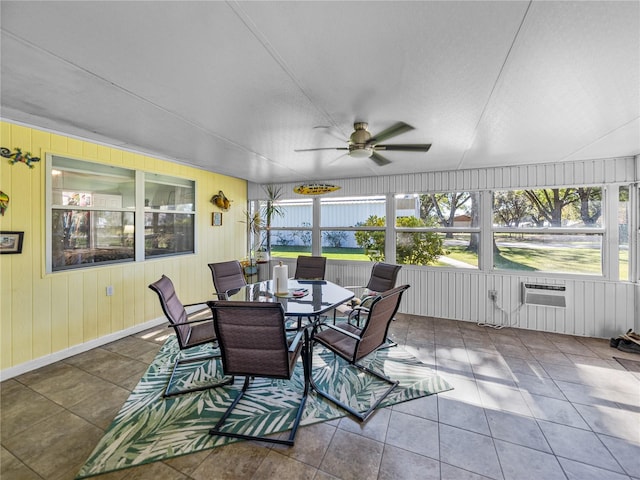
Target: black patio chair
x=191, y=330
x=310, y=268
x=253, y=343
x=354, y=344
x=227, y=276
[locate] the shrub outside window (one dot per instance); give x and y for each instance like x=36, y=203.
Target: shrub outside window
x=291, y=232
x=353, y=228
x=438, y=229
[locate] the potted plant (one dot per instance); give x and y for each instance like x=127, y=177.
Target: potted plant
x=270, y=210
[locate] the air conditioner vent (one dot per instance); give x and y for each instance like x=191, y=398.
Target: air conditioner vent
x=544, y=295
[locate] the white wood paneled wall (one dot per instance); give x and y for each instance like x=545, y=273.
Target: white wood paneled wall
x=588, y=172
x=595, y=307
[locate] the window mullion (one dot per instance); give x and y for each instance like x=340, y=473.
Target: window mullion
x=138, y=230
x=485, y=257
x=316, y=234
x=610, y=243
x=390, y=230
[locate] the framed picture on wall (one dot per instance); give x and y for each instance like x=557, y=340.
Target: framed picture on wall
x=11, y=242
x=216, y=219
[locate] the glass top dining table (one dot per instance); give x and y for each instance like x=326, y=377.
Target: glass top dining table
x=304, y=298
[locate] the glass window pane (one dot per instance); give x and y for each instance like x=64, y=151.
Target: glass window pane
x=361, y=245
x=353, y=212
x=623, y=232
x=167, y=233
x=84, y=238
x=452, y=209
x=295, y=213
x=113, y=189
x=290, y=243
x=458, y=250
x=167, y=196
x=577, y=207
x=561, y=253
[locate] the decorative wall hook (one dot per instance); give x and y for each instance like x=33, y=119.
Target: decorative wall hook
x=18, y=156
x=220, y=201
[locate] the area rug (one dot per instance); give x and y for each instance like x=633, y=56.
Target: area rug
x=151, y=428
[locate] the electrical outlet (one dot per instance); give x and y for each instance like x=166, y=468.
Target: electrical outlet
x=493, y=295
x=109, y=290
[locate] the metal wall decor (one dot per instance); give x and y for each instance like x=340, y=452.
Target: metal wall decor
x=315, y=188
x=4, y=202
x=220, y=201
x=18, y=156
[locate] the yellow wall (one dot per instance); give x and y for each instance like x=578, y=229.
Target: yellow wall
x=41, y=314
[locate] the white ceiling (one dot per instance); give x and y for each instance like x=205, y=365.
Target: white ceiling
x=235, y=87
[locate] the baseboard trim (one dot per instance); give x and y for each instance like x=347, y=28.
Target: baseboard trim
x=40, y=362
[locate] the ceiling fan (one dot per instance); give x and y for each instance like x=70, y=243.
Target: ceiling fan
x=362, y=144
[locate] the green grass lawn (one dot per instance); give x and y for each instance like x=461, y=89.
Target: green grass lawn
x=568, y=260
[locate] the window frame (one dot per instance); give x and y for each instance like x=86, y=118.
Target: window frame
x=139, y=210
x=439, y=229
x=608, y=232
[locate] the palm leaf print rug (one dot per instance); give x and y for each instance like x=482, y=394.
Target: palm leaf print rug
x=151, y=428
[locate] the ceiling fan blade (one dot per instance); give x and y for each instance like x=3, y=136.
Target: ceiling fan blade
x=316, y=149
x=379, y=159
x=405, y=148
x=392, y=131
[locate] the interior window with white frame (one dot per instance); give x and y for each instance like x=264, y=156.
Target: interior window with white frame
x=93, y=214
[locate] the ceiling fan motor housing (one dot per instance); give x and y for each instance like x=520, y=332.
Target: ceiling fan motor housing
x=358, y=141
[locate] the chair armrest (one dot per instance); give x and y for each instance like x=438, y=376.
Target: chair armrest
x=344, y=332
x=206, y=302
x=353, y=287
x=294, y=343
x=189, y=322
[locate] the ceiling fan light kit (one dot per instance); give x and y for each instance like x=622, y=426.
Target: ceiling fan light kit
x=362, y=144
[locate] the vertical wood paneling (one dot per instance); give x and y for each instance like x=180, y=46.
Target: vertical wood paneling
x=103, y=303
x=44, y=314
x=60, y=315
x=90, y=305
x=75, y=295
x=116, y=302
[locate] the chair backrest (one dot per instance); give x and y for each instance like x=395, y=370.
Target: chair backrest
x=252, y=339
x=310, y=268
x=381, y=312
x=227, y=276
x=172, y=308
x=383, y=277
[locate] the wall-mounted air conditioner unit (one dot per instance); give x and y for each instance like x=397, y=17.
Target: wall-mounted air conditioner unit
x=544, y=295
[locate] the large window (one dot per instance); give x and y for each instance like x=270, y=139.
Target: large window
x=551, y=230
x=583, y=230
x=169, y=216
x=353, y=228
x=440, y=229
x=291, y=229
x=94, y=214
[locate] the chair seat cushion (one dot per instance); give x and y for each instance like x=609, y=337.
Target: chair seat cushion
x=342, y=344
x=201, y=333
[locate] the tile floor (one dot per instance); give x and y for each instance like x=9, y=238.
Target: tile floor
x=526, y=405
